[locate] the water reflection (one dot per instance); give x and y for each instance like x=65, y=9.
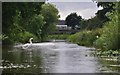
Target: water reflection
x=55, y=57
x=21, y=61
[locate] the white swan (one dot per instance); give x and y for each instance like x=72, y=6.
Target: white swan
x=25, y=46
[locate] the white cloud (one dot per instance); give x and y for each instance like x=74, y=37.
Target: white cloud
x=84, y=9
x=88, y=13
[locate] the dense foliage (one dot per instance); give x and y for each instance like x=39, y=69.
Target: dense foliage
x=107, y=7
x=24, y=20
x=58, y=36
x=91, y=24
x=109, y=37
x=85, y=38
x=50, y=14
x=106, y=38
x=73, y=20
x=94, y=22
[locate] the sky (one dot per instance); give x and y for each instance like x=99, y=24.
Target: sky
x=85, y=9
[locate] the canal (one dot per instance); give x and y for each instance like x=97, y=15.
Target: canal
x=54, y=57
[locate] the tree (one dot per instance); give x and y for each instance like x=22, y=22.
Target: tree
x=83, y=24
x=37, y=22
x=72, y=20
x=50, y=14
x=91, y=23
x=107, y=7
x=100, y=18
x=16, y=18
x=94, y=23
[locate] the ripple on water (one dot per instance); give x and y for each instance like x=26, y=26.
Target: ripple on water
x=59, y=57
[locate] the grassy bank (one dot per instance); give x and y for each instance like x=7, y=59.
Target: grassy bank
x=58, y=36
x=85, y=38
x=94, y=38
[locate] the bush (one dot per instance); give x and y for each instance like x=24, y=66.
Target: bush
x=110, y=35
x=85, y=38
x=24, y=37
x=109, y=38
x=59, y=36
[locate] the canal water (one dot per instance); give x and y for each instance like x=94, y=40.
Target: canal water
x=54, y=57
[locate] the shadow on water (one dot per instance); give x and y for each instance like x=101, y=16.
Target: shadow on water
x=55, y=57
x=16, y=60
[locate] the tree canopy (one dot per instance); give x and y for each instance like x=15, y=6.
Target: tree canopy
x=50, y=14
x=100, y=18
x=72, y=20
x=107, y=7
x=27, y=19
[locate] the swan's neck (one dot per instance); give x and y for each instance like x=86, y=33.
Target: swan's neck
x=30, y=41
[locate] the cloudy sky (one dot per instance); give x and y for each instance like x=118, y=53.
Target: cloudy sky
x=85, y=9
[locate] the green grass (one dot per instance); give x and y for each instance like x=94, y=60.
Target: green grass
x=59, y=36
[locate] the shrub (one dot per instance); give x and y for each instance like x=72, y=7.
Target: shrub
x=59, y=36
x=24, y=37
x=110, y=35
x=85, y=38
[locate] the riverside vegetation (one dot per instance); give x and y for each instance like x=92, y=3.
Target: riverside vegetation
x=37, y=20
x=105, y=39
x=24, y=20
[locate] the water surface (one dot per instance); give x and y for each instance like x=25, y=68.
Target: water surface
x=54, y=57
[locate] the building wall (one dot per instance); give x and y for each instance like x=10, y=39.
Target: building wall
x=62, y=27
